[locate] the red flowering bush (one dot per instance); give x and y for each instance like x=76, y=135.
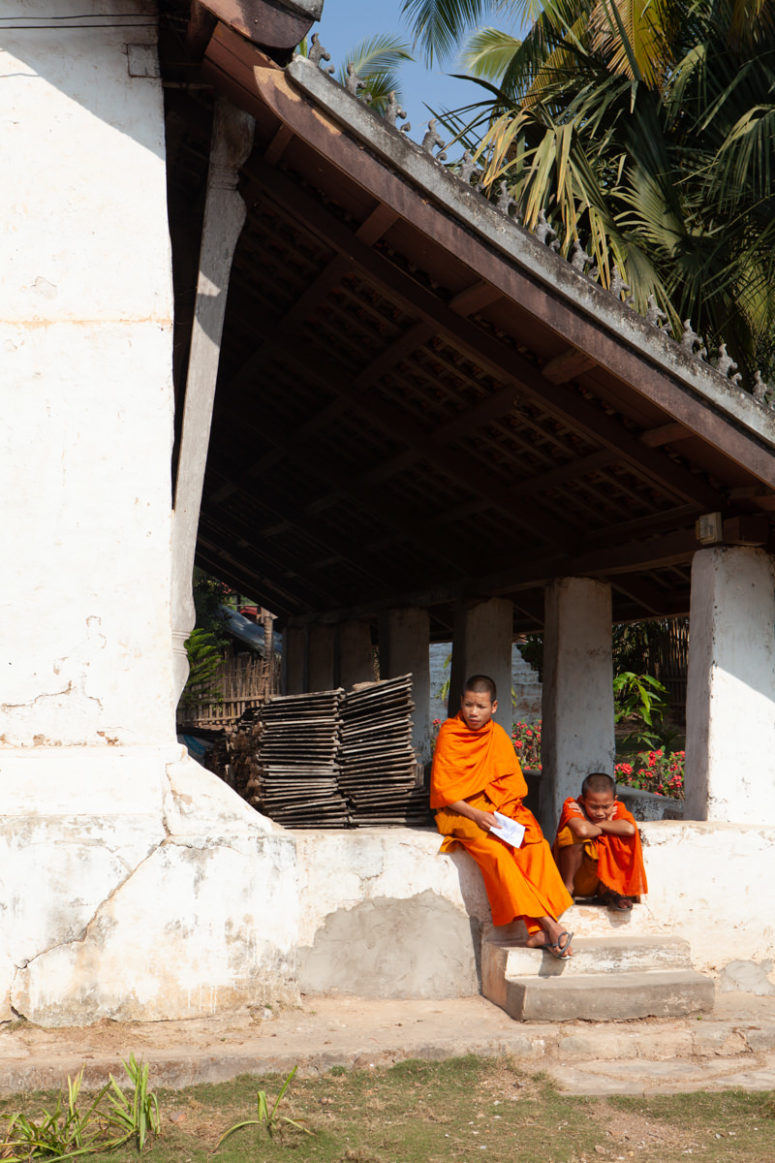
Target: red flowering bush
x=654, y=771
x=527, y=744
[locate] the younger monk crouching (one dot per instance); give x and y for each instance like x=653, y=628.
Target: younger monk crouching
x=475, y=773
x=597, y=848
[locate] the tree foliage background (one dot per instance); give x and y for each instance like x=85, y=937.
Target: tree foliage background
x=644, y=130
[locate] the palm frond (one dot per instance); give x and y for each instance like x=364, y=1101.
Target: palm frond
x=376, y=62
x=489, y=52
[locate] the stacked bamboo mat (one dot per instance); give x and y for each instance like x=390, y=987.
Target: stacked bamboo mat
x=297, y=761
x=378, y=766
x=333, y=759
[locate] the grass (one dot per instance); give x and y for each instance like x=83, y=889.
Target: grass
x=455, y=1111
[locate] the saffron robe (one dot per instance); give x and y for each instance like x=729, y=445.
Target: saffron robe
x=618, y=860
x=481, y=767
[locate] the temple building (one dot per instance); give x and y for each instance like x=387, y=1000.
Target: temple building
x=250, y=323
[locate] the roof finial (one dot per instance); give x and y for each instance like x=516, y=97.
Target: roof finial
x=505, y=200
x=692, y=342
x=393, y=111
x=544, y=231
x=431, y=139
x=317, y=54
x=654, y=313
x=353, y=83
x=726, y=365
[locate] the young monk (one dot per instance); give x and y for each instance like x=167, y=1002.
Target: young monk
x=475, y=773
x=597, y=848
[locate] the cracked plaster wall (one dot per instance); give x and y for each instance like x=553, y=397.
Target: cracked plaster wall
x=87, y=400
x=132, y=883
x=170, y=898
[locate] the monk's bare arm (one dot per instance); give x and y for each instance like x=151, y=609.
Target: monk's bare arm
x=584, y=829
x=617, y=828
x=485, y=820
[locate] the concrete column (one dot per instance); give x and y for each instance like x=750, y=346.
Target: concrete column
x=355, y=654
x=294, y=659
x=404, y=638
x=321, y=657
x=578, y=701
x=232, y=139
x=482, y=645
x=730, y=704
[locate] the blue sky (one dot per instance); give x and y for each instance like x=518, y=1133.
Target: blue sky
x=346, y=23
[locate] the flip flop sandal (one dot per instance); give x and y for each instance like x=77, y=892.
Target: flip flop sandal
x=561, y=947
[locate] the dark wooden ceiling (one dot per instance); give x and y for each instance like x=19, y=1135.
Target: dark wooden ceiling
x=400, y=417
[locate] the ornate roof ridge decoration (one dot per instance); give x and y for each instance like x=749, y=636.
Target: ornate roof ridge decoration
x=466, y=174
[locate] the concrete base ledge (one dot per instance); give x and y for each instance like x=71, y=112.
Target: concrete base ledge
x=382, y=914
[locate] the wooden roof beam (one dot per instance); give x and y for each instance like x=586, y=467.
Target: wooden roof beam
x=496, y=356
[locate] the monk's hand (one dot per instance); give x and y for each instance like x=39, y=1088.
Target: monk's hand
x=485, y=820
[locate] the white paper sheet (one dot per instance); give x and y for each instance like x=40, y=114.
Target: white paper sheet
x=508, y=830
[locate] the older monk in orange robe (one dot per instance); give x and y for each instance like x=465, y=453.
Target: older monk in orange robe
x=476, y=773
x=598, y=848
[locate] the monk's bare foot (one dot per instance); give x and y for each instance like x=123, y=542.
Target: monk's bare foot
x=537, y=940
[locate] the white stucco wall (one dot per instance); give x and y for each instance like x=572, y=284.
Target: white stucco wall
x=382, y=914
x=85, y=337
x=132, y=883
x=730, y=724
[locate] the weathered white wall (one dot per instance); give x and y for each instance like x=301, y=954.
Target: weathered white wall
x=132, y=883
x=86, y=310
x=138, y=891
x=730, y=725
x=381, y=914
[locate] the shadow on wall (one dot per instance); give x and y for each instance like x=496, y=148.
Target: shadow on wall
x=420, y=947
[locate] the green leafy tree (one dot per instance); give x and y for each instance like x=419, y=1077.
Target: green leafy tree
x=643, y=129
x=205, y=655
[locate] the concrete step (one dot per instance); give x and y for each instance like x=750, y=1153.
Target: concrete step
x=512, y=958
x=608, y=978
x=607, y=997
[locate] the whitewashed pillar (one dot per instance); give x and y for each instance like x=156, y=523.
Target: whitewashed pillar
x=232, y=138
x=578, y=702
x=355, y=654
x=482, y=644
x=321, y=657
x=404, y=637
x=730, y=703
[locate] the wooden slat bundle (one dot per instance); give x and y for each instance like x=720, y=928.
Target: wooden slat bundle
x=329, y=759
x=298, y=761
x=378, y=765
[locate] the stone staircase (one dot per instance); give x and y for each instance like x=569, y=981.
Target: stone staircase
x=608, y=978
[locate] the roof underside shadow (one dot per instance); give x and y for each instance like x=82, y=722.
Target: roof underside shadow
x=410, y=410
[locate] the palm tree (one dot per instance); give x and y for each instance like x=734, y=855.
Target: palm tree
x=645, y=137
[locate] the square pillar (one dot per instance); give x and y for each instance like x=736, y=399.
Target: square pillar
x=321, y=657
x=355, y=653
x=730, y=702
x=484, y=635
x=578, y=699
x=294, y=659
x=404, y=642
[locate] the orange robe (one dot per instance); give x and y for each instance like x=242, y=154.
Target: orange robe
x=619, y=859
x=482, y=768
